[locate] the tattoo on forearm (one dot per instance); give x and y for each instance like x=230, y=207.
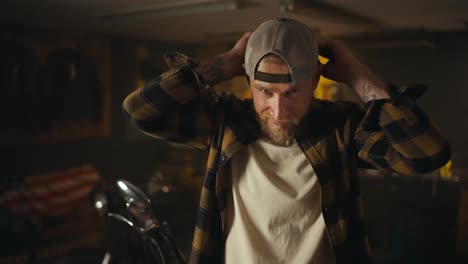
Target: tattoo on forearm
x=367, y=93
x=212, y=72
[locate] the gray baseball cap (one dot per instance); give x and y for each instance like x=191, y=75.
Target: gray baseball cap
x=291, y=40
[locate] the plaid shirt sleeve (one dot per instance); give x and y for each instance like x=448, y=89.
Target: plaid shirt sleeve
x=175, y=106
x=397, y=136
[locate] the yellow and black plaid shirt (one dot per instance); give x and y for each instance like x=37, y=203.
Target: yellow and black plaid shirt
x=393, y=135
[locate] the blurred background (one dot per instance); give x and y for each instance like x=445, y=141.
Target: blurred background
x=66, y=67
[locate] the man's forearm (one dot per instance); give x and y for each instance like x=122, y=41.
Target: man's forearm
x=344, y=67
x=371, y=89
x=212, y=71
x=367, y=85
x=222, y=67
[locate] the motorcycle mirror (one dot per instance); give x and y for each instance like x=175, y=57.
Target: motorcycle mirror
x=120, y=218
x=137, y=203
x=101, y=202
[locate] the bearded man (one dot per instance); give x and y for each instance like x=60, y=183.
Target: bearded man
x=282, y=184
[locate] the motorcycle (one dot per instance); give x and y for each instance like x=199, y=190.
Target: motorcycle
x=140, y=237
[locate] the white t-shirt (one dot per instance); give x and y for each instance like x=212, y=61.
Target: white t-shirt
x=274, y=211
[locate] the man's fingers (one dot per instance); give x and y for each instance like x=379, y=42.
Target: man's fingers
x=334, y=50
x=245, y=37
x=241, y=44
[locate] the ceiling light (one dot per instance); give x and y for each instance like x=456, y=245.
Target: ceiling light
x=329, y=12
x=175, y=8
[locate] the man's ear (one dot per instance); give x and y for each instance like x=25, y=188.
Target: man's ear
x=243, y=65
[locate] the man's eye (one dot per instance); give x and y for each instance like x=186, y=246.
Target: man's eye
x=264, y=91
x=293, y=91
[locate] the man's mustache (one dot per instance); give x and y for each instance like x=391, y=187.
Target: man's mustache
x=266, y=116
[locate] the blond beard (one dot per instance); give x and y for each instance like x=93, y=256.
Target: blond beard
x=283, y=137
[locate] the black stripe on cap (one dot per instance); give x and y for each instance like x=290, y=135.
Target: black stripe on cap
x=272, y=78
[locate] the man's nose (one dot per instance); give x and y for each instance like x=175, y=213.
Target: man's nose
x=279, y=108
